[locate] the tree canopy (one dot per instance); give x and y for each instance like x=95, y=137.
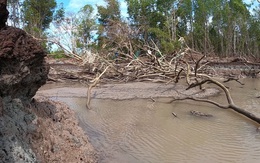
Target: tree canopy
x=215, y=27
x=37, y=15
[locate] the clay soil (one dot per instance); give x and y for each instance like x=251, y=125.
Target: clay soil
x=58, y=137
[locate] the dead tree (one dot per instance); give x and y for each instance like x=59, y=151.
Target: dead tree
x=93, y=84
x=200, y=79
x=230, y=105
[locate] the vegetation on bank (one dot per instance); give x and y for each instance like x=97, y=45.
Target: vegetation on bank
x=218, y=27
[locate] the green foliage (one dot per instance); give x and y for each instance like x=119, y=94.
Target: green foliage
x=158, y=33
x=57, y=54
x=163, y=40
x=59, y=14
x=38, y=15
x=168, y=47
x=86, y=24
x=222, y=27
x=109, y=13
x=108, y=17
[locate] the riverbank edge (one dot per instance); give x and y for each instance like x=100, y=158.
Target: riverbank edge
x=125, y=91
x=117, y=91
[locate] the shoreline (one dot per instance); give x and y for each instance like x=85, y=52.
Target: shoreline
x=125, y=91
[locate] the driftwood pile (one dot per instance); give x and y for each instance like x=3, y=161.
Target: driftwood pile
x=148, y=67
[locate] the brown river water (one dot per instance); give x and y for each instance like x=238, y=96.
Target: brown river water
x=143, y=131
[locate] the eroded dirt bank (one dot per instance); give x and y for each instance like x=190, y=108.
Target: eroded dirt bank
x=33, y=130
x=41, y=131
x=58, y=138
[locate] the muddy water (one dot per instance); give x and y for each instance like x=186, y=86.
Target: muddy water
x=140, y=131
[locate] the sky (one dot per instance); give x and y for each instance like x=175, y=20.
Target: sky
x=76, y=5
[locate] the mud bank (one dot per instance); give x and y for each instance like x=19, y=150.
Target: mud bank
x=124, y=91
x=41, y=131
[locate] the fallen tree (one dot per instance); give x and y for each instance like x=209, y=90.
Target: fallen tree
x=231, y=105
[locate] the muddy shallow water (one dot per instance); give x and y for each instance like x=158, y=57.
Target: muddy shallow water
x=145, y=131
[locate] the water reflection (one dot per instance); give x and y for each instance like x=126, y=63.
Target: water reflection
x=142, y=131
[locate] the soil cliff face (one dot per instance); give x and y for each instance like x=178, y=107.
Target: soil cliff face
x=33, y=130
x=22, y=71
x=22, y=66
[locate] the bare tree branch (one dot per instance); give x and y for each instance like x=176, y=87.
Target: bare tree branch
x=95, y=81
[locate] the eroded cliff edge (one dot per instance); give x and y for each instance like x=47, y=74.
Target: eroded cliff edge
x=33, y=130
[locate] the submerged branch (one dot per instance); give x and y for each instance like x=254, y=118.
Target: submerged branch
x=201, y=100
x=95, y=81
x=230, y=104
